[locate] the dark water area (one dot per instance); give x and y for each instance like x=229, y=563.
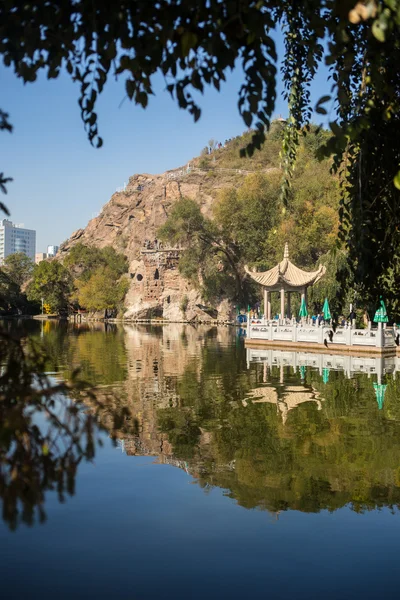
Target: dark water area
x=208, y=471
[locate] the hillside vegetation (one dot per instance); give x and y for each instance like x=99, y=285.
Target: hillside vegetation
x=249, y=225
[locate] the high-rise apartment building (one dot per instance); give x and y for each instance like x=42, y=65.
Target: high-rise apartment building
x=14, y=238
x=52, y=250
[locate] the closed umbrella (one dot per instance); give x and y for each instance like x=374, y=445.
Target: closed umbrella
x=326, y=311
x=381, y=314
x=303, y=308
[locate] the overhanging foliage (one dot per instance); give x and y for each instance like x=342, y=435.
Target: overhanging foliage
x=196, y=43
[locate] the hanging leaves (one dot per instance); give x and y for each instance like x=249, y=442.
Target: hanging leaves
x=198, y=43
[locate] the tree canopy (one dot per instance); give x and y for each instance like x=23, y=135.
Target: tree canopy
x=101, y=291
x=196, y=44
x=51, y=282
x=89, y=277
x=14, y=274
x=19, y=267
x=83, y=260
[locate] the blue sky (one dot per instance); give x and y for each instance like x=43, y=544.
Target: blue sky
x=60, y=181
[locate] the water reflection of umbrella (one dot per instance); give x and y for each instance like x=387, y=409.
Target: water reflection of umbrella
x=380, y=389
x=326, y=311
x=325, y=375
x=303, y=371
x=303, y=308
x=381, y=314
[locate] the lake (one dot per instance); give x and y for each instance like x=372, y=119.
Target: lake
x=186, y=467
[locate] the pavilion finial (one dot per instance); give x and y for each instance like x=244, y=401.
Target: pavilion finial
x=286, y=253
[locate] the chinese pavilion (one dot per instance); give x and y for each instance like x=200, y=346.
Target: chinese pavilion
x=284, y=279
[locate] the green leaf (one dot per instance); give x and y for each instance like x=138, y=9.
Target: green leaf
x=396, y=180
x=378, y=31
x=188, y=41
x=336, y=130
x=319, y=108
x=247, y=118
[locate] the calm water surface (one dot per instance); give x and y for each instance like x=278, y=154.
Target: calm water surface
x=230, y=475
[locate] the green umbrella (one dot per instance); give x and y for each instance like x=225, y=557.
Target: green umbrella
x=380, y=389
x=326, y=311
x=325, y=375
x=303, y=308
x=381, y=314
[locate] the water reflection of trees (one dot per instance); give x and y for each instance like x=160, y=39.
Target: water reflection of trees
x=347, y=452
x=185, y=395
x=46, y=430
x=191, y=401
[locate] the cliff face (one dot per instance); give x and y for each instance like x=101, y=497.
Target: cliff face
x=129, y=222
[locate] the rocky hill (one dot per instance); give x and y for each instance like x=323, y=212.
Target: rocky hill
x=130, y=220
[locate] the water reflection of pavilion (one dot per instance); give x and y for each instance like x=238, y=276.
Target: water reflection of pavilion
x=370, y=365
x=378, y=366
x=290, y=397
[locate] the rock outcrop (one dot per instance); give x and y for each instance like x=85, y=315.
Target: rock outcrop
x=129, y=222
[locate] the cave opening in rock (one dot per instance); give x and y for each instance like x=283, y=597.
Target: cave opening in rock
x=139, y=277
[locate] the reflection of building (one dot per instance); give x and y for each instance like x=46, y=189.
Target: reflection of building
x=290, y=397
x=156, y=360
x=371, y=365
x=194, y=408
x=14, y=238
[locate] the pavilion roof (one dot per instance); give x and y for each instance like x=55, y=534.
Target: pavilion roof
x=286, y=272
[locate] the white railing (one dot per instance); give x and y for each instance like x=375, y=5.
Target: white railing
x=289, y=331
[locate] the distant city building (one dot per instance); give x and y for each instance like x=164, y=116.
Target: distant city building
x=52, y=251
x=39, y=256
x=14, y=238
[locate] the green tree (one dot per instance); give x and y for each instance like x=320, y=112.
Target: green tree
x=9, y=292
x=248, y=212
x=101, y=291
x=19, y=267
x=82, y=261
x=212, y=256
x=52, y=282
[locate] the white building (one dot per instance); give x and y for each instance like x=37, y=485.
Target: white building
x=14, y=238
x=52, y=251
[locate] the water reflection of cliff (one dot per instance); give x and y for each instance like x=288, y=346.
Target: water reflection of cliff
x=272, y=437
x=275, y=432
x=157, y=358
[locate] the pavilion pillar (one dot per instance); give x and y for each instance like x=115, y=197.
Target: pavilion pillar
x=282, y=303
x=289, y=312
x=267, y=304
